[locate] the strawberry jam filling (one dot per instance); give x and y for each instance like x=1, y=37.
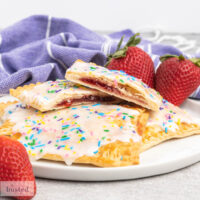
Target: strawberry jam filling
x=89, y=98
x=109, y=88
x=101, y=85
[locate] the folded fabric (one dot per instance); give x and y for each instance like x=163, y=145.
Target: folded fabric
x=41, y=48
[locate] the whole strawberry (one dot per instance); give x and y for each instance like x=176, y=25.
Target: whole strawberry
x=177, y=77
x=133, y=60
x=15, y=166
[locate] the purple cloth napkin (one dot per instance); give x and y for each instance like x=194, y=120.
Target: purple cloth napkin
x=41, y=48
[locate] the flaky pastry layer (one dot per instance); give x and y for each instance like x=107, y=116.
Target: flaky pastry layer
x=52, y=95
x=115, y=83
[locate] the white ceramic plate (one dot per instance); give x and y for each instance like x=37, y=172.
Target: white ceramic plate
x=166, y=157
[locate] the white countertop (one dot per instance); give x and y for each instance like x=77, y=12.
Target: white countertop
x=180, y=185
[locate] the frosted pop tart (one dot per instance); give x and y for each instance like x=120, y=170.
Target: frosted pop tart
x=99, y=134
x=114, y=82
x=58, y=94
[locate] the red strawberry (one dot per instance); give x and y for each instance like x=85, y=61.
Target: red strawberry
x=177, y=77
x=15, y=166
x=133, y=60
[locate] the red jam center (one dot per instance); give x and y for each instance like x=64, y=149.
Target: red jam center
x=101, y=85
x=89, y=98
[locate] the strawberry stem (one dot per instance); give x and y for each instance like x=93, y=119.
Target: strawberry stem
x=167, y=56
x=196, y=61
x=120, y=53
x=120, y=43
x=181, y=57
x=133, y=41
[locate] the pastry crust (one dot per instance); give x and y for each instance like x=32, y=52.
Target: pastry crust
x=113, y=82
x=168, y=123
x=115, y=152
x=59, y=94
x=111, y=155
x=3, y=107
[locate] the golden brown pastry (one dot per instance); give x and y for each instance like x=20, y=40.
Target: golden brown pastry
x=167, y=123
x=114, y=82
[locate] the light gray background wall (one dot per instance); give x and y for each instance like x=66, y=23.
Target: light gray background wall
x=167, y=15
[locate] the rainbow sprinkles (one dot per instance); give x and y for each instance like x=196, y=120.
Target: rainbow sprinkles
x=72, y=133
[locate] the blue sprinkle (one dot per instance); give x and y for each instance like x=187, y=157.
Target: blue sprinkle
x=41, y=145
x=25, y=145
x=124, y=117
x=83, y=138
x=101, y=114
x=170, y=120
x=151, y=96
x=123, y=72
x=95, y=152
x=84, y=106
x=32, y=147
x=9, y=112
x=98, y=104
x=72, y=129
x=118, y=109
x=165, y=129
x=74, y=108
x=57, y=140
x=133, y=78
x=71, y=147
x=99, y=143
x=39, y=131
x=66, y=138
x=31, y=137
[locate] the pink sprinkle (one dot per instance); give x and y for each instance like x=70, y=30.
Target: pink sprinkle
x=91, y=133
x=66, y=155
x=115, y=82
x=119, y=114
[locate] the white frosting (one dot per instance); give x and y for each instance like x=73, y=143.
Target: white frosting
x=74, y=131
x=169, y=117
